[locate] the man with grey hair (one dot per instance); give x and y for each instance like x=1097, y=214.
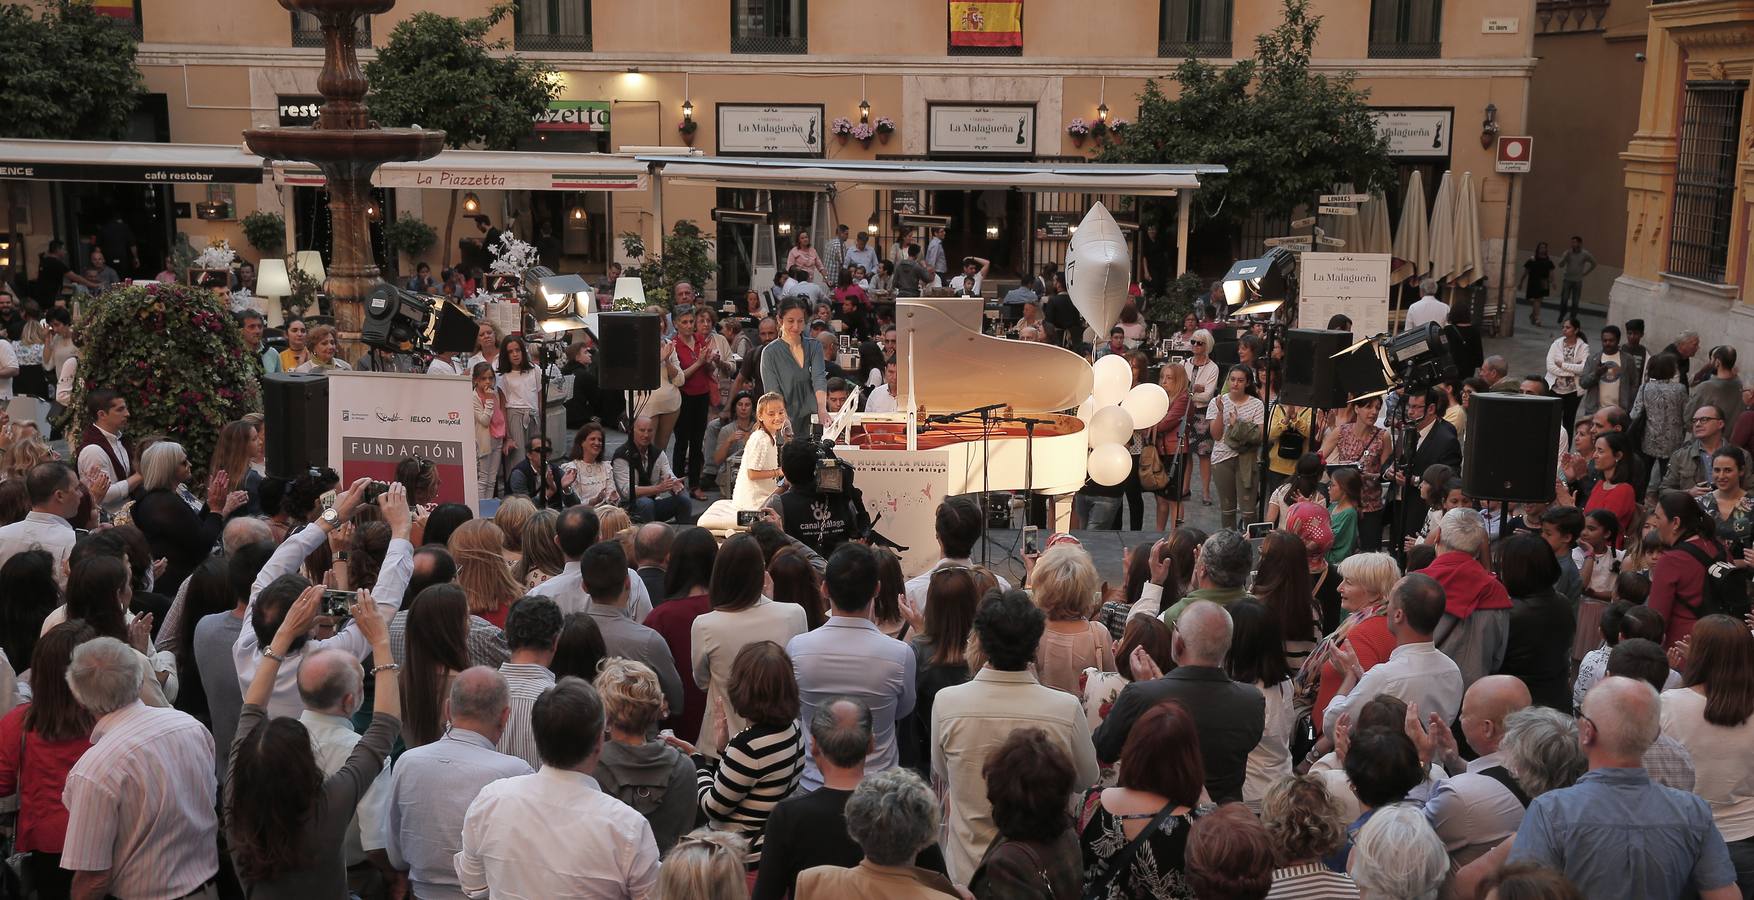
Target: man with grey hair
x=331, y=684
x=811, y=829
x=431, y=787
x=1685, y=347
x=1540, y=750
x=892, y=816
x=140, y=802
x=1481, y=803
x=1427, y=310
x=1475, y=628
x=1617, y=834
x=1221, y=572
x=1228, y=715
x=555, y=833
x=1496, y=372
x=1416, y=671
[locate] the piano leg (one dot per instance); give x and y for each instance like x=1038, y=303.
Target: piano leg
x=1060, y=512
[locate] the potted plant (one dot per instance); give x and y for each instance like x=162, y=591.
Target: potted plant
x=687, y=127
x=1078, y=129
x=864, y=133
x=265, y=230
x=885, y=128
x=305, y=288
x=410, y=235
x=841, y=127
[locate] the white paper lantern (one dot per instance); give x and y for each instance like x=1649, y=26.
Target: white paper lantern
x=1114, y=377
x=1110, y=464
x=1110, y=425
x=1147, y=404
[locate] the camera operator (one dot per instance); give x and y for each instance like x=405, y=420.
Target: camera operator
x=822, y=520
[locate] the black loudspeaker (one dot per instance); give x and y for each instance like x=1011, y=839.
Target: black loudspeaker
x=1311, y=373
x=1512, y=448
x=627, y=352
x=296, y=410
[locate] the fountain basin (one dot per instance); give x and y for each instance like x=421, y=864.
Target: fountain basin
x=361, y=150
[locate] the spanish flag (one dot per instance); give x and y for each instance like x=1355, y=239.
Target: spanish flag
x=986, y=23
x=119, y=9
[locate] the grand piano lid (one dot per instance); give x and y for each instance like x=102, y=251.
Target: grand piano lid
x=960, y=368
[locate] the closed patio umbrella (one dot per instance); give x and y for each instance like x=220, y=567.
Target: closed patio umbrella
x=1469, y=268
x=1412, y=247
x=1443, y=230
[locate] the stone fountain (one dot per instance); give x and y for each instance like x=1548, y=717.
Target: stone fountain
x=348, y=148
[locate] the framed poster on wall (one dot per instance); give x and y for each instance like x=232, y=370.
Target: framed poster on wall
x=756, y=129
x=988, y=129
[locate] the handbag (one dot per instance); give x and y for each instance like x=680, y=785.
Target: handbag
x=1152, y=475
x=1636, y=428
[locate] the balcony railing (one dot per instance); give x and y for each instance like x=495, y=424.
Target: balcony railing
x=1406, y=49
x=1190, y=49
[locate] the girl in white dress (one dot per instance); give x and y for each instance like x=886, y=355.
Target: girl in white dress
x=759, y=476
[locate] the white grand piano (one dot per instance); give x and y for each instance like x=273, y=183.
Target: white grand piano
x=907, y=462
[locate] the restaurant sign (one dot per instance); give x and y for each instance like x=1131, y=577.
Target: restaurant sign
x=747, y=129
x=574, y=115
x=1416, y=132
x=996, y=129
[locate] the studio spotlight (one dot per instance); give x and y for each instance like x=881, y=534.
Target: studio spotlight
x=557, y=302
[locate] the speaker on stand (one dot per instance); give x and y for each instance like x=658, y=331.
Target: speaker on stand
x=1511, y=452
x=295, y=408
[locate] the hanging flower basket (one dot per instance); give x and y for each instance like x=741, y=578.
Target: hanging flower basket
x=885, y=128
x=863, y=134
x=1079, y=130
x=687, y=128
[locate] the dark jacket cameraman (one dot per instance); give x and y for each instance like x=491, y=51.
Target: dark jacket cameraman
x=821, y=520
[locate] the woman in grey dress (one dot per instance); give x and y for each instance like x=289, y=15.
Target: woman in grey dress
x=795, y=369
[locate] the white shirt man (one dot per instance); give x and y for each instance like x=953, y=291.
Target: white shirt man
x=1416, y=671
x=555, y=833
x=110, y=423
x=140, y=803
x=1427, y=309
x=393, y=575
x=863, y=254
x=1474, y=810
x=880, y=400
x=46, y=527
x=431, y=787
x=445, y=364
x=325, y=679
x=568, y=590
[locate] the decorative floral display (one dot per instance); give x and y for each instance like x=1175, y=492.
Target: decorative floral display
x=175, y=354
x=1078, y=127
x=511, y=256
x=687, y=126
x=217, y=255
x=841, y=127
x=885, y=125
x=1119, y=124
x=863, y=132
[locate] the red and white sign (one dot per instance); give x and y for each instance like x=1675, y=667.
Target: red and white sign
x=1515, y=153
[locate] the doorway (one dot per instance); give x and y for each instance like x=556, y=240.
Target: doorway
x=990, y=224
x=313, y=230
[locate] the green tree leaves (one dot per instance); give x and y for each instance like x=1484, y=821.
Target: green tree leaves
x=66, y=75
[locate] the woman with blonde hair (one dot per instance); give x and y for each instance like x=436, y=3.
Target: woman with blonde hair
x=513, y=513
x=541, y=557
x=1063, y=583
x=32, y=379
x=706, y=865
x=240, y=443
x=1304, y=826
x=24, y=451
x=478, y=546
x=1365, y=582
x=611, y=521
x=180, y=529
x=647, y=774
x=1173, y=436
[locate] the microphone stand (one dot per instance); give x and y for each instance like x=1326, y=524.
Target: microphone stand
x=1403, y=461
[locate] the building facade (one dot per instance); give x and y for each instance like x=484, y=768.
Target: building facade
x=772, y=77
x=1583, y=110
x=1689, y=174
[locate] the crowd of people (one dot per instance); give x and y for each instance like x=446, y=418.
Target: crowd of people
x=1396, y=691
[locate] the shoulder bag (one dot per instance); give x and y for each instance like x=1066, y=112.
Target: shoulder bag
x=1152, y=475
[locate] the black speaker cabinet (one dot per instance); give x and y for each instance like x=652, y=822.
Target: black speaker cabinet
x=296, y=412
x=627, y=352
x=1512, y=448
x=1311, y=373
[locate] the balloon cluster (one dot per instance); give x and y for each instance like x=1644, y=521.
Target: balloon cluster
x=1114, y=410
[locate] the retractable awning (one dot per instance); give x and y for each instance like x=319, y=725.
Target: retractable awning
x=494, y=170
x=117, y=162
x=819, y=174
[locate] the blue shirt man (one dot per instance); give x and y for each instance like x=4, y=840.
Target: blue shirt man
x=1617, y=834
x=849, y=657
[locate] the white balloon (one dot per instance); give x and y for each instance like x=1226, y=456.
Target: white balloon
x=1147, y=404
x=1114, y=377
x=1110, y=464
x=1110, y=425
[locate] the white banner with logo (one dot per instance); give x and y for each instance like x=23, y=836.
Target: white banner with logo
x=902, y=491
x=1354, y=284
x=377, y=419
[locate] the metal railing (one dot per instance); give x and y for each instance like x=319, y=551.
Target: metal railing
x=307, y=32
x=1406, y=49
x=770, y=26
x=1190, y=49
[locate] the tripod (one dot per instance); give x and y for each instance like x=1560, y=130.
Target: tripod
x=1404, y=449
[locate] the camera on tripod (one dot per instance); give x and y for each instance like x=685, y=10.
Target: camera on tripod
x=831, y=473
